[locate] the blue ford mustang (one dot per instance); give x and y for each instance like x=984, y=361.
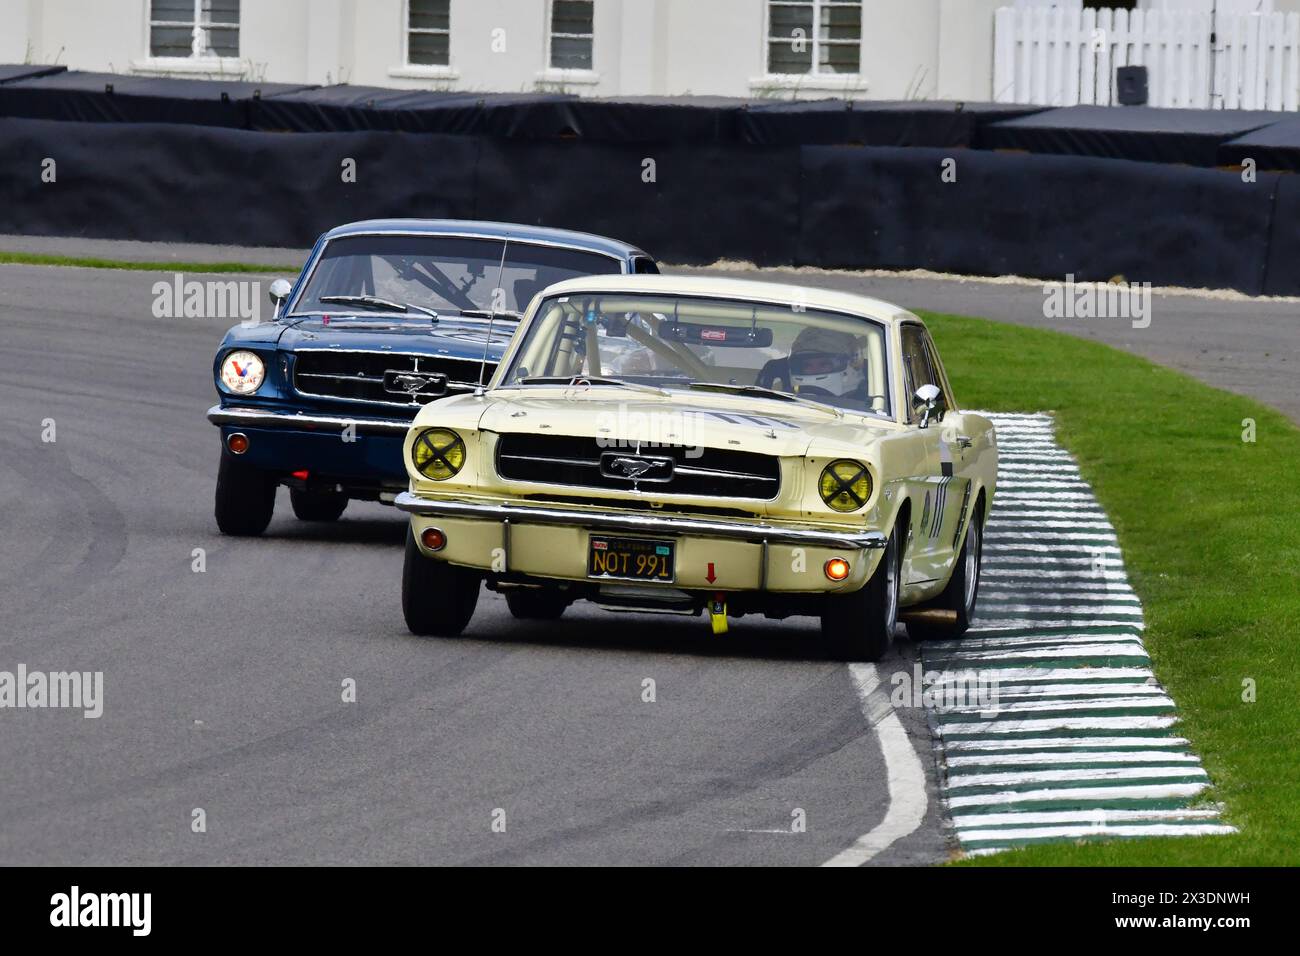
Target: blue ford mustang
x=386, y=316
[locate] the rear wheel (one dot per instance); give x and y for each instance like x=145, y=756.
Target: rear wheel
x=959, y=597
x=536, y=605
x=245, y=498
x=860, y=626
x=438, y=599
x=317, y=505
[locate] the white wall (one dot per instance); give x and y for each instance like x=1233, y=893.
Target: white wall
x=105, y=36
x=710, y=48
x=15, y=32
x=965, y=49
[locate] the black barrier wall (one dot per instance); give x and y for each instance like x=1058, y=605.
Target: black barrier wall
x=1043, y=216
x=831, y=206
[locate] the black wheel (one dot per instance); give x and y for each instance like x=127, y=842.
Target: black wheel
x=245, y=498
x=438, y=598
x=959, y=597
x=536, y=605
x=316, y=505
x=860, y=626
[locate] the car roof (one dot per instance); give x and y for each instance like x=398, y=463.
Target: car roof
x=748, y=289
x=490, y=230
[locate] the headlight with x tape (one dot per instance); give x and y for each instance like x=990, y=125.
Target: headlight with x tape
x=438, y=453
x=845, y=485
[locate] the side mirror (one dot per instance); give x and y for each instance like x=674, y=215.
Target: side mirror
x=278, y=292
x=929, y=400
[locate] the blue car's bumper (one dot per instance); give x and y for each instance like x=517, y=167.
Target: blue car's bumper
x=287, y=442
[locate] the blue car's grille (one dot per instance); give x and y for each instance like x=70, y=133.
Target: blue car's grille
x=382, y=378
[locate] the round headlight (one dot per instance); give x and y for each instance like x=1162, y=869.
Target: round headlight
x=845, y=485
x=438, y=453
x=242, y=372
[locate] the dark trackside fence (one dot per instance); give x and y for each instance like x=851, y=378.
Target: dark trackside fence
x=946, y=208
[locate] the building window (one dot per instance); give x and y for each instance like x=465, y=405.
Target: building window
x=571, y=34
x=428, y=32
x=815, y=36
x=194, y=28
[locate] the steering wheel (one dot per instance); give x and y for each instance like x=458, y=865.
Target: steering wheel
x=816, y=390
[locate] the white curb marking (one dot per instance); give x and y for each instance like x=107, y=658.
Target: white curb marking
x=1069, y=752
x=906, y=776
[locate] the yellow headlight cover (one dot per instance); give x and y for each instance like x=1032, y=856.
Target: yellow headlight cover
x=438, y=453
x=845, y=485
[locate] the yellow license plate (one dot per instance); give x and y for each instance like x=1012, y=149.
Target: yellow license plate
x=630, y=559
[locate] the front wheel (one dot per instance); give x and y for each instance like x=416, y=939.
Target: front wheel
x=245, y=498
x=317, y=505
x=957, y=601
x=438, y=599
x=860, y=626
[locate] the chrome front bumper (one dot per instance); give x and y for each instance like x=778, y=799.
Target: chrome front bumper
x=659, y=524
x=266, y=418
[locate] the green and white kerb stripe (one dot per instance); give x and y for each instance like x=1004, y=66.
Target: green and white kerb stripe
x=1082, y=742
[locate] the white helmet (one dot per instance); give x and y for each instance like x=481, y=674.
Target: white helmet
x=822, y=360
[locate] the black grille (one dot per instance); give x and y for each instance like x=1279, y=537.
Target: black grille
x=360, y=376
x=584, y=462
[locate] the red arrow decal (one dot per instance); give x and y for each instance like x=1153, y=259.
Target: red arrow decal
x=710, y=577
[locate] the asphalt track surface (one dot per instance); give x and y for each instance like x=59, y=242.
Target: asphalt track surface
x=223, y=688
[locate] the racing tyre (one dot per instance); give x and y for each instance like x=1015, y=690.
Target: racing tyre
x=438, y=598
x=317, y=506
x=536, y=605
x=860, y=626
x=959, y=597
x=245, y=498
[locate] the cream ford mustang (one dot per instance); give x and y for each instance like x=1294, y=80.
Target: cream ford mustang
x=661, y=443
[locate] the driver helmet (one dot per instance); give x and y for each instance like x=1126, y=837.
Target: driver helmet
x=825, y=360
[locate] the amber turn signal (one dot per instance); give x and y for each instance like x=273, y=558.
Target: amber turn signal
x=237, y=443
x=837, y=569
x=433, y=539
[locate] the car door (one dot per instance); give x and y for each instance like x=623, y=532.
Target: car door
x=957, y=460
x=935, y=501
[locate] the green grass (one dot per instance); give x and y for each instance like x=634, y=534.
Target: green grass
x=1210, y=528
x=90, y=262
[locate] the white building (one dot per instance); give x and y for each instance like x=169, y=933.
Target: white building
x=878, y=49
x=887, y=49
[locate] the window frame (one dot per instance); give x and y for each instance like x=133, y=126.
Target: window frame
x=407, y=30
x=551, y=35
x=930, y=355
x=210, y=56
x=814, y=73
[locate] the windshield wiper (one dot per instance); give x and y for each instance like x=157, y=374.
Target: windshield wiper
x=488, y=314
x=588, y=380
x=375, y=302
x=762, y=392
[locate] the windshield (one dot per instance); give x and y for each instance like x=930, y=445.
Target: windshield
x=681, y=342
x=448, y=274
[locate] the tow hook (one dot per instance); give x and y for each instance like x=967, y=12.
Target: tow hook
x=718, y=613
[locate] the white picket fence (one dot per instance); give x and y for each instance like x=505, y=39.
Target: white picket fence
x=1064, y=56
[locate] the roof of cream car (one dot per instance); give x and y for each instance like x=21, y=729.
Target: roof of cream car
x=747, y=289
